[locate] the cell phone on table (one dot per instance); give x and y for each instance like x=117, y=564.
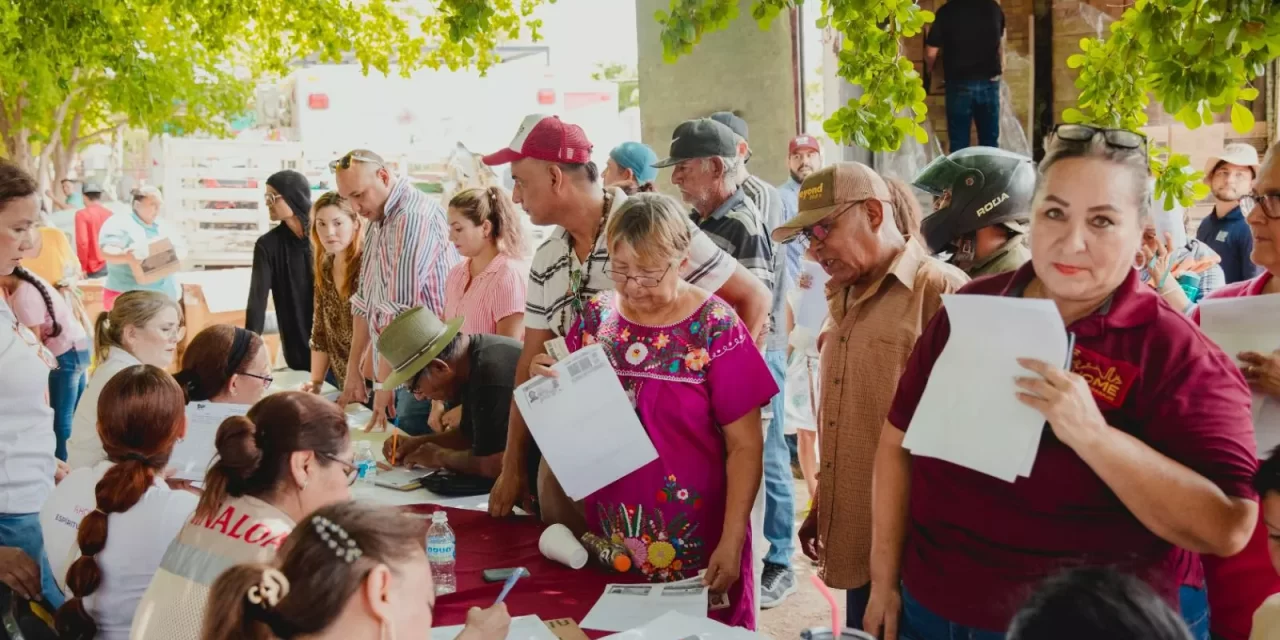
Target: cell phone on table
x=500, y=575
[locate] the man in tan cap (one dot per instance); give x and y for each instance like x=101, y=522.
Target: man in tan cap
x=882, y=293
x=1231, y=175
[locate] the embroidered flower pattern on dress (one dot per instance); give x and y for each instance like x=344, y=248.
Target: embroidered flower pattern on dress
x=673, y=493
x=663, y=551
x=637, y=352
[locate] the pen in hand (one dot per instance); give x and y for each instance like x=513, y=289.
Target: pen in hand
x=520, y=572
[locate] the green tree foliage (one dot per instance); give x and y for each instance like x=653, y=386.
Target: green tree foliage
x=71, y=71
x=625, y=77
x=1196, y=57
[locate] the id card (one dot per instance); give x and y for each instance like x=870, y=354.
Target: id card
x=557, y=349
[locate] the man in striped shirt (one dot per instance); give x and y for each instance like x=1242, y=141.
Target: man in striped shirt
x=557, y=184
x=407, y=257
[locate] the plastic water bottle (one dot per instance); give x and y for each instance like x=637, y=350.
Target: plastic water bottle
x=365, y=462
x=442, y=551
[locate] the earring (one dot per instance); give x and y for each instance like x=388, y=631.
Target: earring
x=304, y=484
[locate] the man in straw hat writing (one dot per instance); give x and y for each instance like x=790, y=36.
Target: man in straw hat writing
x=434, y=360
x=1231, y=175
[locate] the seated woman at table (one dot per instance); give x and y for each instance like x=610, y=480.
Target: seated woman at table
x=106, y=526
x=225, y=364
x=144, y=327
x=349, y=571
x=1142, y=467
x=697, y=382
x=288, y=457
x=1239, y=585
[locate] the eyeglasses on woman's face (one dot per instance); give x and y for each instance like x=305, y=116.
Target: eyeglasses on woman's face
x=646, y=280
x=352, y=471
x=266, y=380
x=1268, y=203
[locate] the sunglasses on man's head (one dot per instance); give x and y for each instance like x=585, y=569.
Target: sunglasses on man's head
x=1116, y=138
x=344, y=162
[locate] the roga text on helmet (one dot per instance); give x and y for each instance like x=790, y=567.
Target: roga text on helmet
x=979, y=187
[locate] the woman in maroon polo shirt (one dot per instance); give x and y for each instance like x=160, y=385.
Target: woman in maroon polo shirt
x=1143, y=458
x=1238, y=585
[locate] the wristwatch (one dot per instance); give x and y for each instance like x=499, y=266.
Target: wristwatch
x=377, y=386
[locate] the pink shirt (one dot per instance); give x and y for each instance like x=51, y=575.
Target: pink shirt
x=1238, y=585
x=28, y=306
x=494, y=294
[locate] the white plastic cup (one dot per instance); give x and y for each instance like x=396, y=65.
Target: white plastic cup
x=558, y=543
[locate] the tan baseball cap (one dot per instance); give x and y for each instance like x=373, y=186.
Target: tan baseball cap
x=829, y=189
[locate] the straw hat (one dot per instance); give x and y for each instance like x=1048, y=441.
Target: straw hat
x=1239, y=153
x=412, y=340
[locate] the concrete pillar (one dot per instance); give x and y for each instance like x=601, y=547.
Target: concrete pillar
x=742, y=68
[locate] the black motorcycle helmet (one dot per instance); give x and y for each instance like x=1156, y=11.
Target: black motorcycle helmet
x=980, y=187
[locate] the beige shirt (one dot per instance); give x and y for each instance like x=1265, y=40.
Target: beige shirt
x=868, y=339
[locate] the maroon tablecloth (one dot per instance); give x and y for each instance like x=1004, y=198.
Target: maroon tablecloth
x=551, y=590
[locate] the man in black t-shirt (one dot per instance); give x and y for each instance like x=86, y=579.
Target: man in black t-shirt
x=970, y=34
x=436, y=361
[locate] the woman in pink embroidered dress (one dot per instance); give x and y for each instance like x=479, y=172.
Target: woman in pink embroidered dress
x=697, y=382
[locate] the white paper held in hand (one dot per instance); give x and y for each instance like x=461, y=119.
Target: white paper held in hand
x=192, y=455
x=522, y=628
x=1248, y=324
x=970, y=414
x=627, y=606
x=810, y=303
x=584, y=423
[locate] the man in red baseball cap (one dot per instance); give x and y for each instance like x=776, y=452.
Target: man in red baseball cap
x=557, y=184
x=804, y=156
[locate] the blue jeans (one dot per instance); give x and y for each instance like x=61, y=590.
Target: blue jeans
x=918, y=623
x=970, y=101
x=66, y=385
x=779, y=487
x=23, y=531
x=411, y=414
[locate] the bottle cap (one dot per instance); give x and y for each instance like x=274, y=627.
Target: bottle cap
x=439, y=516
x=622, y=563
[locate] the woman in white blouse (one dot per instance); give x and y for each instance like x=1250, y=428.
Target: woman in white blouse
x=106, y=527
x=26, y=421
x=144, y=327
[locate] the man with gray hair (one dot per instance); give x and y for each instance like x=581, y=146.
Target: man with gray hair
x=778, y=580
x=704, y=155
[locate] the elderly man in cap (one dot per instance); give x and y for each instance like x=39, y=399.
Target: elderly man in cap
x=777, y=581
x=407, y=257
x=882, y=293
x=1231, y=175
x=557, y=184
x=434, y=360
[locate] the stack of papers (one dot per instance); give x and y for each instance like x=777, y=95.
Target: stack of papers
x=193, y=453
x=1248, y=324
x=587, y=392
x=627, y=606
x=970, y=414
x=678, y=626
x=522, y=628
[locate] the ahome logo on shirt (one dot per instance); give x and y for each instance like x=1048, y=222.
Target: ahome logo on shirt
x=1108, y=380
x=986, y=208
x=812, y=193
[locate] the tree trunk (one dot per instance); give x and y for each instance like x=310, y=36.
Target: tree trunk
x=66, y=149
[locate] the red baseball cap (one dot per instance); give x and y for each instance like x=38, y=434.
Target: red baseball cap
x=544, y=137
x=804, y=142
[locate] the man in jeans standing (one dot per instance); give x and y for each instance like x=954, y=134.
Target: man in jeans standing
x=971, y=35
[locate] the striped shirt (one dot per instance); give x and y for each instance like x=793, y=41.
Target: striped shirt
x=492, y=295
x=407, y=257
x=549, y=304
x=774, y=212
x=735, y=226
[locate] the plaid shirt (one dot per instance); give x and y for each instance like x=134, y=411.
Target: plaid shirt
x=407, y=257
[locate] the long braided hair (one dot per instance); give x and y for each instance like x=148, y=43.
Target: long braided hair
x=30, y=278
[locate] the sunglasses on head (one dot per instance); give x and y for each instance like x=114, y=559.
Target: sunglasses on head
x=1116, y=138
x=344, y=162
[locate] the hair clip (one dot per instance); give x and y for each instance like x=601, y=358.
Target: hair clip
x=270, y=591
x=344, y=547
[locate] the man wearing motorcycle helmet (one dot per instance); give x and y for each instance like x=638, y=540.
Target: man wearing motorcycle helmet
x=982, y=202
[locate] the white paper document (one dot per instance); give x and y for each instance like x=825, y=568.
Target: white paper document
x=522, y=628
x=970, y=414
x=810, y=304
x=678, y=626
x=627, y=606
x=1248, y=324
x=584, y=423
x=192, y=455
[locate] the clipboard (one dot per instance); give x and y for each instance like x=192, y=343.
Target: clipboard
x=399, y=479
x=161, y=262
